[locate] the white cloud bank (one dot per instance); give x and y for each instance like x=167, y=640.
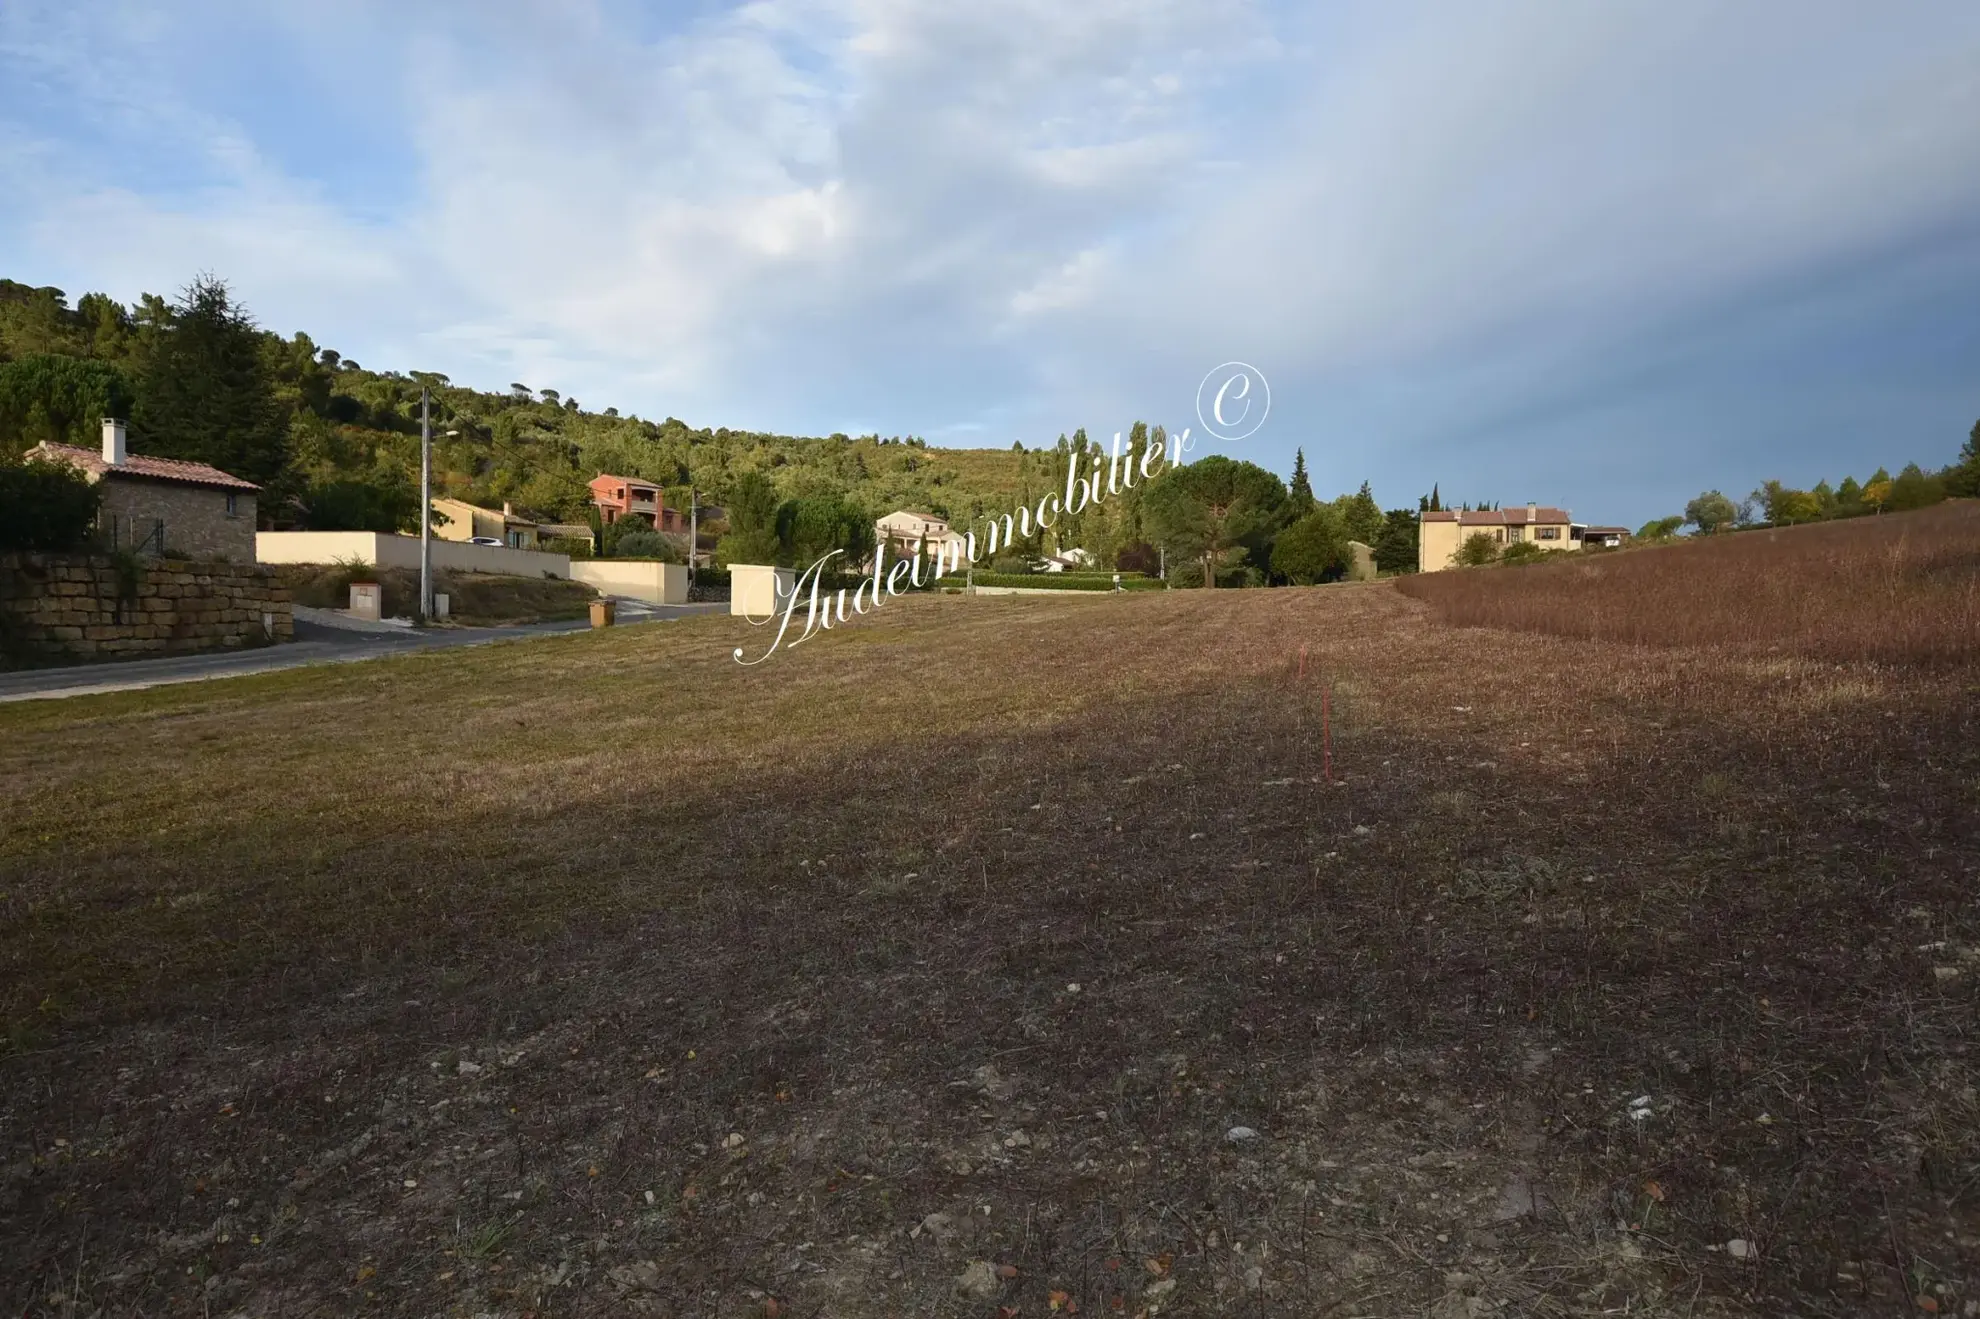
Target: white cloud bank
x=1003, y=219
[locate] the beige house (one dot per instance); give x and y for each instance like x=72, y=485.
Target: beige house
x=902, y=530
x=154, y=504
x=1440, y=535
x=467, y=521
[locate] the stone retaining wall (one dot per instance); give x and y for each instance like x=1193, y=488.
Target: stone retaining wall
x=83, y=606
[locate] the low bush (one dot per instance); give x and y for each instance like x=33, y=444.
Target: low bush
x=649, y=545
x=1526, y=551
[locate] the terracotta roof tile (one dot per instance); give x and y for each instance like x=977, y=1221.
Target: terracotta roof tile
x=1499, y=517
x=137, y=464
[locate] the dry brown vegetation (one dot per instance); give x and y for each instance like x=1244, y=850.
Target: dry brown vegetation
x=473, y=598
x=1902, y=588
x=925, y=969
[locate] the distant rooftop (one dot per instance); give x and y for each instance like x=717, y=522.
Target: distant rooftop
x=137, y=464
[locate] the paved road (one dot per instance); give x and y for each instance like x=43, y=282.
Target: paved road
x=317, y=642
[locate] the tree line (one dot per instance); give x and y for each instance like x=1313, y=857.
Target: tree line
x=335, y=445
x=1774, y=504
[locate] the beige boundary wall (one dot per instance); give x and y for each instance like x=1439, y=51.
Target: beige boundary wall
x=83, y=606
x=655, y=583
x=758, y=590
x=395, y=551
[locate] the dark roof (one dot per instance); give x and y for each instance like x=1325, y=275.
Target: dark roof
x=1493, y=517
x=154, y=469
x=1605, y=531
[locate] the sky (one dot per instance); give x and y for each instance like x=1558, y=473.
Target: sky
x=1596, y=256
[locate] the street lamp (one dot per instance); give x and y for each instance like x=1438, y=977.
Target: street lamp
x=426, y=503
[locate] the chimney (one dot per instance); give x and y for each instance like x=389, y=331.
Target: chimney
x=1532, y=511
x=507, y=511
x=113, y=442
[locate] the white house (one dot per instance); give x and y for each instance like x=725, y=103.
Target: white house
x=901, y=530
x=1071, y=560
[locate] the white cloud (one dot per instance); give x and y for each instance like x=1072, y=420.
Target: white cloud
x=1013, y=214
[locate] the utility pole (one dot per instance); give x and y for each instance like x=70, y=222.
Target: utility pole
x=425, y=505
x=694, y=534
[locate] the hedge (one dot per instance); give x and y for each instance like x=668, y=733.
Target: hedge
x=1058, y=581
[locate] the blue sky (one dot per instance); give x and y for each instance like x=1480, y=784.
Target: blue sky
x=1603, y=256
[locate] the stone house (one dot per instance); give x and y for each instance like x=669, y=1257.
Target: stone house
x=156, y=504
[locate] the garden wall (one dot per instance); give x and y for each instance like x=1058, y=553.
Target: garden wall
x=639, y=579
x=92, y=606
x=395, y=551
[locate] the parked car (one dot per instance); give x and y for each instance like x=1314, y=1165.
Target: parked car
x=484, y=540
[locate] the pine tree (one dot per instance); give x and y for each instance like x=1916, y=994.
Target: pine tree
x=1362, y=515
x=205, y=395
x=1303, y=501
x=1963, y=477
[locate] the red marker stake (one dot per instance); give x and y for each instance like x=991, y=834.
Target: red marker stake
x=1326, y=734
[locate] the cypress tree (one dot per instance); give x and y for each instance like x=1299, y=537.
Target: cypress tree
x=1303, y=501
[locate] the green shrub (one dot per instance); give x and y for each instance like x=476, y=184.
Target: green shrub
x=645, y=545
x=1478, y=550
x=1312, y=549
x=46, y=506
x=1526, y=551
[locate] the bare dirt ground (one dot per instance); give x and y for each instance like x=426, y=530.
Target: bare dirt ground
x=1000, y=957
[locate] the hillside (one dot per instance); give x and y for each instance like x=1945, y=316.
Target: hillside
x=338, y=442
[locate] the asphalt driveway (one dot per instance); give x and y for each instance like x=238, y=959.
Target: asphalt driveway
x=321, y=638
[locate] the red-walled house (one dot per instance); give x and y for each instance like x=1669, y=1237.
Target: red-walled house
x=628, y=496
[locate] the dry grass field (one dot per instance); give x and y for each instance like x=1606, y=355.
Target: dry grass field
x=930, y=968
x=1903, y=588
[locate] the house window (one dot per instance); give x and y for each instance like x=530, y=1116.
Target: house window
x=233, y=507
x=1547, y=533
x=1512, y=533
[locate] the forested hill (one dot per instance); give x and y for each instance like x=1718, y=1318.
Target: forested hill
x=337, y=443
